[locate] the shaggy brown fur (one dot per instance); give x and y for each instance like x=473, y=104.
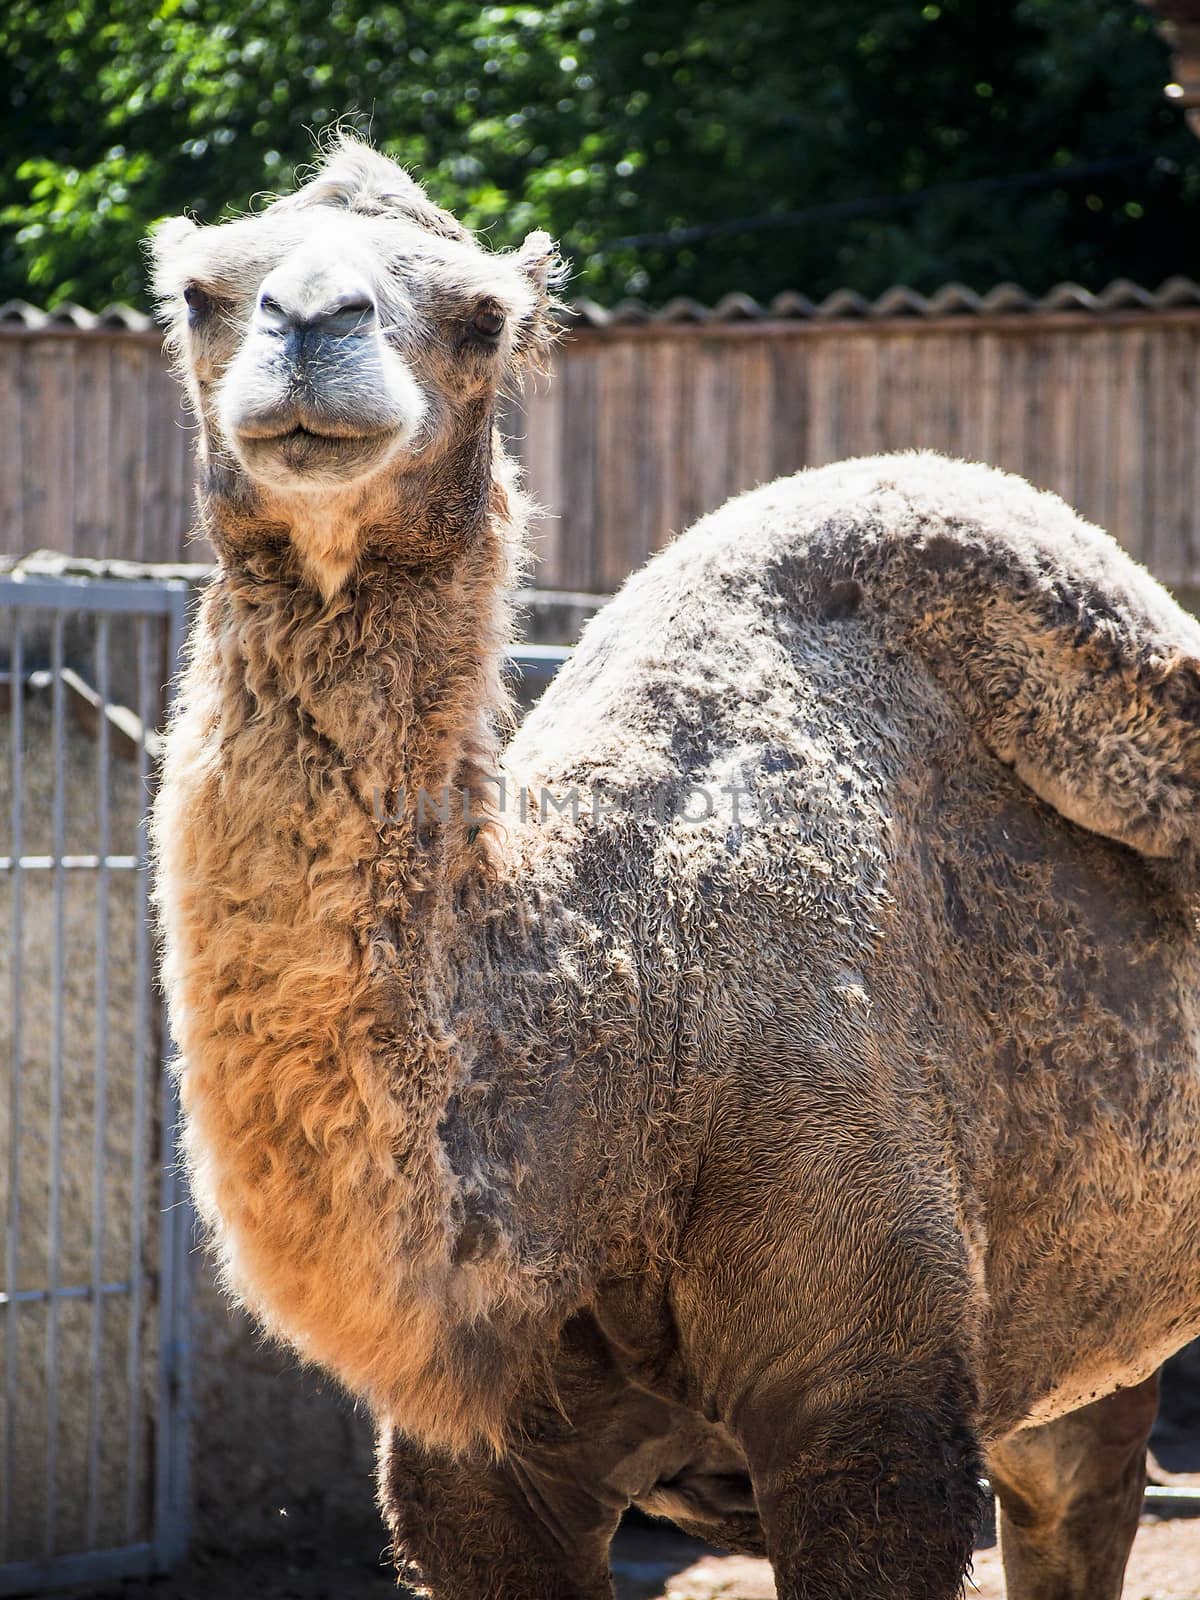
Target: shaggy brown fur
x=783, y=1129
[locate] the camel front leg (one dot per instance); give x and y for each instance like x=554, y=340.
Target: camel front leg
x=834, y=1341
x=1070, y=1497
x=476, y=1529
x=880, y=1501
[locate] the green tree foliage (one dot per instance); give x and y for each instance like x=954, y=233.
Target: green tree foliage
x=895, y=127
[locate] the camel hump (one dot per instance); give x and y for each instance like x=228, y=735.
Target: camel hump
x=1075, y=667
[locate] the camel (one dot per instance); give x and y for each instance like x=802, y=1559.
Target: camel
x=764, y=1090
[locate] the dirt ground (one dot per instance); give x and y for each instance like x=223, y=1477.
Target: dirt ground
x=1165, y=1566
x=650, y=1564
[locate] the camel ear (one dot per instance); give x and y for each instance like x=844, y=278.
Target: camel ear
x=171, y=232
x=539, y=260
x=544, y=269
x=166, y=240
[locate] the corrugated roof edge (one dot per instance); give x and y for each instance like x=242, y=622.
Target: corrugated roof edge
x=20, y=314
x=951, y=300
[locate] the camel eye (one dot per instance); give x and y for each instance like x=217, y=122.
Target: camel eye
x=488, y=320
x=197, y=301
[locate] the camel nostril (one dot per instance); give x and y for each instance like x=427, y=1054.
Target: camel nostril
x=353, y=313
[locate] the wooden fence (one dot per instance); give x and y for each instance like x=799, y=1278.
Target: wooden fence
x=645, y=425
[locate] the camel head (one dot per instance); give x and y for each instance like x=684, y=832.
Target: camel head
x=345, y=338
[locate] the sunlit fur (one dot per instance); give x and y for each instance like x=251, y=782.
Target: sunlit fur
x=767, y=1171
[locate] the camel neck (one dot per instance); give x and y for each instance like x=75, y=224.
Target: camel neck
x=394, y=679
x=316, y=965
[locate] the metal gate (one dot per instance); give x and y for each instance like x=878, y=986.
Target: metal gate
x=93, y=1314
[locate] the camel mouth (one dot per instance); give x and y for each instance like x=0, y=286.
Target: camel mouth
x=302, y=434
x=303, y=452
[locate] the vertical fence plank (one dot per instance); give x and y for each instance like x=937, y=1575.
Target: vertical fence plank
x=160, y=541
x=618, y=444
x=541, y=419
x=128, y=447
x=13, y=537
x=1062, y=460
x=969, y=343
x=712, y=402
x=187, y=544
x=1037, y=442
x=579, y=468
x=49, y=455
x=1088, y=408
x=861, y=396
x=824, y=421
x=1176, y=501
x=921, y=399
x=894, y=404
x=745, y=417
x=33, y=437
x=752, y=415
x=956, y=355
x=93, y=409
x=1164, y=467
x=1127, y=487
x=663, y=457
x=995, y=378
x=1009, y=445
x=790, y=402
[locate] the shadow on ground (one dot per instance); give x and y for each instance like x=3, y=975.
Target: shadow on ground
x=650, y=1563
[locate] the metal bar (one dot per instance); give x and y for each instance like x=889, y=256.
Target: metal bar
x=156, y=599
x=69, y=863
x=72, y=1291
x=31, y=1577
x=57, y=966
x=141, y=1003
x=12, y=1229
x=149, y=597
x=99, y=1081
x=539, y=655
x=172, y=1488
x=57, y=955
